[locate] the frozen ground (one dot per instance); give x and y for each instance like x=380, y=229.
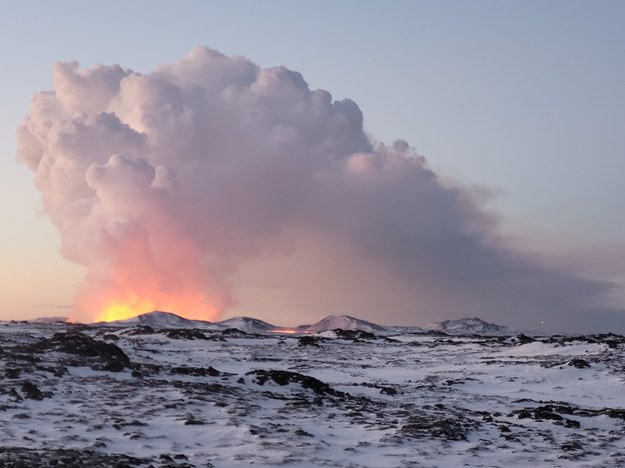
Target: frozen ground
x=75, y=395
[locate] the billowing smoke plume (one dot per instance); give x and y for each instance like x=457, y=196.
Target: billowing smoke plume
x=161, y=184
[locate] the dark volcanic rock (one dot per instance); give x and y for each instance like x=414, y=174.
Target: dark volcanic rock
x=108, y=356
x=579, y=363
x=15, y=397
x=140, y=330
x=546, y=412
x=309, y=341
x=186, y=334
x=110, y=337
x=430, y=426
x=285, y=377
x=19, y=457
x=32, y=392
x=524, y=339
x=610, y=339
x=554, y=413
x=193, y=421
x=12, y=373
x=354, y=335
x=121, y=424
x=196, y=371
x=384, y=390
x=614, y=413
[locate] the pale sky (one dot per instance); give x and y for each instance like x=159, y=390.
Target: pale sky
x=526, y=98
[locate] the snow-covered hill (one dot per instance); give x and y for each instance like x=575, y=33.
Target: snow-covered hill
x=158, y=319
x=344, y=322
x=247, y=324
x=470, y=326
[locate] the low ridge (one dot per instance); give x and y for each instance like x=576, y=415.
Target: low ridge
x=473, y=325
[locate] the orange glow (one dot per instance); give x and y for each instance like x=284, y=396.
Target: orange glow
x=149, y=265
x=289, y=331
x=191, y=306
x=124, y=310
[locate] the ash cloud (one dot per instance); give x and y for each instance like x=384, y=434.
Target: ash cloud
x=163, y=184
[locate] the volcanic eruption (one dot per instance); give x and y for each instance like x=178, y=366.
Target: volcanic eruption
x=162, y=183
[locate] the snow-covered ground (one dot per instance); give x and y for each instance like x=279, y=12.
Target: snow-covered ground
x=193, y=397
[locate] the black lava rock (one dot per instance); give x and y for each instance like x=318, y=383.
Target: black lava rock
x=286, y=377
x=108, y=356
x=192, y=421
x=12, y=373
x=15, y=397
x=432, y=427
x=31, y=391
x=196, y=371
x=140, y=330
x=523, y=339
x=20, y=457
x=579, y=363
x=354, y=335
x=185, y=334
x=309, y=341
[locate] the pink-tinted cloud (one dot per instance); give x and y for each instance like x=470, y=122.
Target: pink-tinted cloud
x=161, y=184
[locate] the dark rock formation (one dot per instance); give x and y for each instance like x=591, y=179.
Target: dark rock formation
x=32, y=392
x=12, y=373
x=19, y=457
x=309, y=341
x=283, y=378
x=579, y=363
x=354, y=335
x=186, y=334
x=429, y=426
x=100, y=355
x=140, y=330
x=196, y=371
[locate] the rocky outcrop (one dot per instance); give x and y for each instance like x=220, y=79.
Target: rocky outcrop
x=97, y=354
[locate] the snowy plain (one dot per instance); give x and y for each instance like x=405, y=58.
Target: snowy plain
x=226, y=398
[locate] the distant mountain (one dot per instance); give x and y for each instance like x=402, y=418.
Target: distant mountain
x=247, y=324
x=159, y=319
x=470, y=326
x=344, y=322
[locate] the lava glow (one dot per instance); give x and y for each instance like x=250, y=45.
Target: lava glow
x=289, y=331
x=131, y=305
x=124, y=310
